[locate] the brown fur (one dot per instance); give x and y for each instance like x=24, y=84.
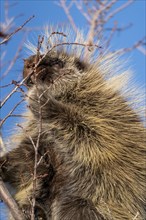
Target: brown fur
x=95, y=165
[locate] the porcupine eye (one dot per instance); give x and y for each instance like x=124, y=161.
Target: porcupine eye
x=30, y=66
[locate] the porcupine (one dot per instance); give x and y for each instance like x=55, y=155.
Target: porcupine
x=92, y=142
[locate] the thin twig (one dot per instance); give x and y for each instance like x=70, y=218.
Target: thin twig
x=10, y=202
x=14, y=32
x=111, y=34
x=74, y=43
x=79, y=6
x=66, y=9
x=11, y=64
x=35, y=177
x=10, y=113
x=113, y=13
x=129, y=49
x=14, y=90
x=119, y=29
x=142, y=49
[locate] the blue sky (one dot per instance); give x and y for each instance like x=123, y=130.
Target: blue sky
x=46, y=13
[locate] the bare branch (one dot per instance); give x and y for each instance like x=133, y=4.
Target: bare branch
x=142, y=49
x=111, y=34
x=66, y=9
x=75, y=43
x=14, y=32
x=92, y=27
x=10, y=113
x=10, y=202
x=129, y=49
x=12, y=62
x=79, y=5
x=113, y=13
x=12, y=92
x=123, y=28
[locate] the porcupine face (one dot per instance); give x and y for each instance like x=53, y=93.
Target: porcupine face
x=45, y=71
x=51, y=68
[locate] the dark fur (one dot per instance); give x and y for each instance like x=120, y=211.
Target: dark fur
x=94, y=168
